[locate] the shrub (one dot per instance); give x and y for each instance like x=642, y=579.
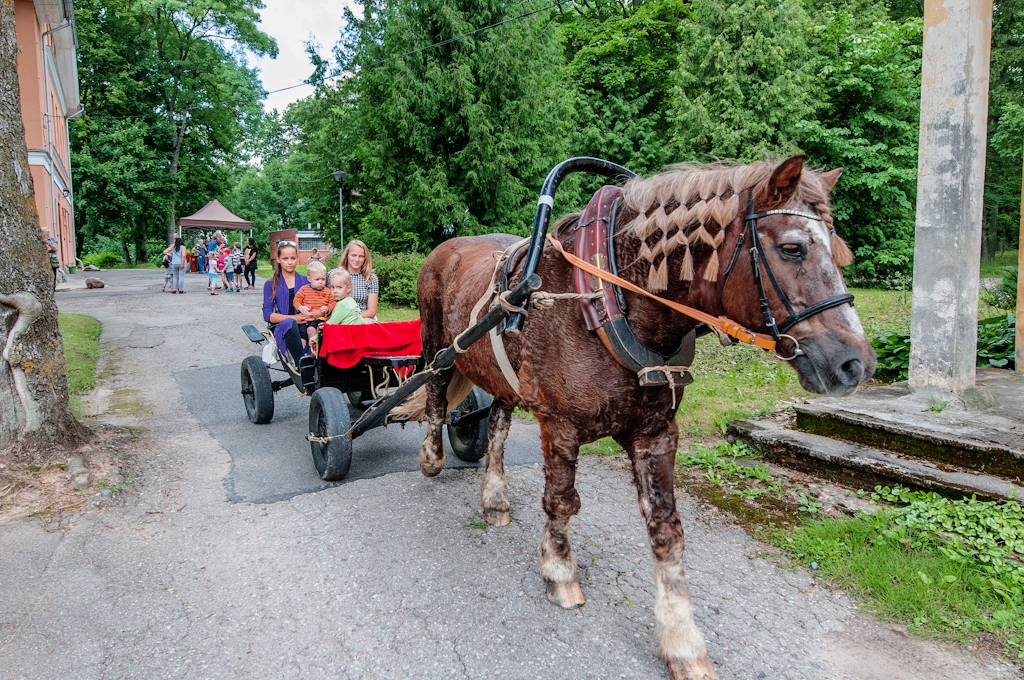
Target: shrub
x=397, y=275
x=996, y=341
x=1003, y=296
x=103, y=260
x=893, y=350
x=995, y=348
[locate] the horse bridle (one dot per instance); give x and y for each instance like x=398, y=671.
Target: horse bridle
x=757, y=256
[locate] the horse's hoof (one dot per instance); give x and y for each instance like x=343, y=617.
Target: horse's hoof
x=497, y=518
x=431, y=470
x=692, y=669
x=566, y=595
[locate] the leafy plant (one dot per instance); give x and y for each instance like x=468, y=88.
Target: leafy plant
x=808, y=504
x=996, y=341
x=893, y=352
x=1003, y=296
x=906, y=560
x=397, y=275
x=103, y=260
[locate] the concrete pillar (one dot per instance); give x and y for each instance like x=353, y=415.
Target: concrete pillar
x=950, y=185
x=1018, y=352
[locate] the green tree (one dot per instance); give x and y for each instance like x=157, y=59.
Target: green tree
x=167, y=107
x=620, y=60
x=867, y=85
x=454, y=139
x=743, y=83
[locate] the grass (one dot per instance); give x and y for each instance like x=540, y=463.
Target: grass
x=949, y=569
x=81, y=336
x=993, y=268
x=397, y=313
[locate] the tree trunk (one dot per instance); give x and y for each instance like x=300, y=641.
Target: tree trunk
x=33, y=386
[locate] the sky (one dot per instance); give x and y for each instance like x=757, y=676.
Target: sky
x=291, y=23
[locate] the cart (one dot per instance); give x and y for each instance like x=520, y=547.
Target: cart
x=349, y=398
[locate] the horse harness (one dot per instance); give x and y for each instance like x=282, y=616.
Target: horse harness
x=757, y=257
x=605, y=313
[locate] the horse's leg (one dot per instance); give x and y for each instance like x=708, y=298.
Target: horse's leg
x=680, y=642
x=557, y=560
x=432, y=453
x=493, y=494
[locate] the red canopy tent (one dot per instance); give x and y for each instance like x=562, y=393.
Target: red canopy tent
x=213, y=215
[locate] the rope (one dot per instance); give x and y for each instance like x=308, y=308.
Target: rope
x=542, y=300
x=670, y=374
x=725, y=325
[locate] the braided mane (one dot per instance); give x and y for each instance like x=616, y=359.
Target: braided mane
x=688, y=205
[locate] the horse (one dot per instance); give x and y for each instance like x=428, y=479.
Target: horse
x=674, y=221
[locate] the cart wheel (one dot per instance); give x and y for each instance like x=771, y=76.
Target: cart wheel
x=329, y=417
x=257, y=390
x=356, y=399
x=469, y=442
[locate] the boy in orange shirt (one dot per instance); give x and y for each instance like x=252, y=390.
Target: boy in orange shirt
x=315, y=298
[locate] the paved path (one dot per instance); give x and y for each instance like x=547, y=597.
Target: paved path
x=384, y=577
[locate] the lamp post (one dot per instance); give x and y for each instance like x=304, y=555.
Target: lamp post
x=339, y=177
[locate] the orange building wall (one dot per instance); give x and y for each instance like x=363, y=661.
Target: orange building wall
x=44, y=134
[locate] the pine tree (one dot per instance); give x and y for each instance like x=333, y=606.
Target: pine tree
x=743, y=83
x=454, y=139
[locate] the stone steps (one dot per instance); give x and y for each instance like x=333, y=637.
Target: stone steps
x=959, y=438
x=864, y=467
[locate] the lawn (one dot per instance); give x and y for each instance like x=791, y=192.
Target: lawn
x=81, y=336
x=993, y=268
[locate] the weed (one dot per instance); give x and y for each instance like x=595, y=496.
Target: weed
x=949, y=568
x=808, y=504
x=476, y=521
x=104, y=483
x=936, y=405
x=602, y=447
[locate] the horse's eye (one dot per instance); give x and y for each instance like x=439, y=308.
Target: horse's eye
x=792, y=249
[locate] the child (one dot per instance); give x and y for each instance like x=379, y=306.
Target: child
x=236, y=265
x=222, y=268
x=211, y=270
x=345, y=309
x=315, y=298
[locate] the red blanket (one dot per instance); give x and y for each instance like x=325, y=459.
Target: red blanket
x=345, y=345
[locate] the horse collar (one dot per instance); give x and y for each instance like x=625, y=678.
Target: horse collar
x=605, y=315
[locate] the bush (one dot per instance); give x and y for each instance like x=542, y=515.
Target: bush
x=996, y=341
x=397, y=276
x=1003, y=296
x=995, y=348
x=103, y=260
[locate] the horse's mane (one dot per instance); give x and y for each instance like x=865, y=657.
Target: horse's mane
x=675, y=208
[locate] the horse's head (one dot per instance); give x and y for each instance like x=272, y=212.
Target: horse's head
x=803, y=256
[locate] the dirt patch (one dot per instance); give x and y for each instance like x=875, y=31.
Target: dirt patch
x=48, y=483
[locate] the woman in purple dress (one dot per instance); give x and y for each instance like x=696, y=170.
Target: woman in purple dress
x=278, y=303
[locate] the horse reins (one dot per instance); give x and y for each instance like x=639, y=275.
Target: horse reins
x=757, y=256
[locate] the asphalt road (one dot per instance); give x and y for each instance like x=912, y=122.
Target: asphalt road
x=392, y=576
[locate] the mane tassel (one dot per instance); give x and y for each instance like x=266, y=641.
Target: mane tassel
x=686, y=271
x=711, y=270
x=657, y=277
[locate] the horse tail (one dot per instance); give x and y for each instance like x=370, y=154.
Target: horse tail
x=414, y=409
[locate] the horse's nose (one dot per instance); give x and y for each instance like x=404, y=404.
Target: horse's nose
x=851, y=372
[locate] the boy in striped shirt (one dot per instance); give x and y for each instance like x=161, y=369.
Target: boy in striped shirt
x=315, y=298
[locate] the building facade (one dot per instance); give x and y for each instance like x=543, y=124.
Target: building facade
x=48, y=80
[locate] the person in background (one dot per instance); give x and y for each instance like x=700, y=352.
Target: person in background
x=249, y=257
x=52, y=252
x=223, y=262
x=315, y=257
x=357, y=262
x=211, y=245
x=201, y=256
x=211, y=272
x=176, y=251
x=279, y=303
x=236, y=266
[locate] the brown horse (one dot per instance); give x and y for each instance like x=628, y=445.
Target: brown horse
x=579, y=393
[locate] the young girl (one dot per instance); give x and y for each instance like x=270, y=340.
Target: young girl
x=279, y=303
x=211, y=270
x=346, y=310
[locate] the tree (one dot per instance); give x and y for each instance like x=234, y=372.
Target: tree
x=867, y=88
x=454, y=139
x=743, y=82
x=33, y=386
x=168, y=106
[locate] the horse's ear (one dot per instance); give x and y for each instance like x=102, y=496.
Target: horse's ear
x=784, y=181
x=830, y=178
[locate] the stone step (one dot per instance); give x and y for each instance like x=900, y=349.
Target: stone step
x=865, y=467
x=977, y=441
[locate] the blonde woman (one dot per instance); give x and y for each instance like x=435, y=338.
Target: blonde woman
x=357, y=262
